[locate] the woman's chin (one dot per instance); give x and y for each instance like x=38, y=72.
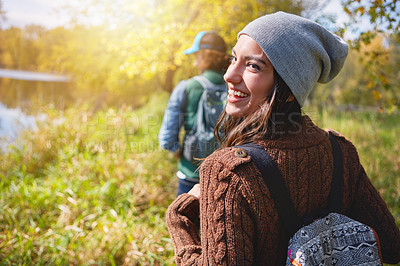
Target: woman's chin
x=234, y=111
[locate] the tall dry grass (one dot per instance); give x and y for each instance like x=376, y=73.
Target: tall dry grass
x=92, y=188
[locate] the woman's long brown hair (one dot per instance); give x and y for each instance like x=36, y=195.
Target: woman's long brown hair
x=277, y=111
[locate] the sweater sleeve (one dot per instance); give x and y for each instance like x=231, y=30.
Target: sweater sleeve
x=227, y=228
x=182, y=217
x=367, y=206
x=370, y=208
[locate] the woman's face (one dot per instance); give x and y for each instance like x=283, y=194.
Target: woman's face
x=250, y=78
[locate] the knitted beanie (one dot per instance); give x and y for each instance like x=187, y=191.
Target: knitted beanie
x=301, y=51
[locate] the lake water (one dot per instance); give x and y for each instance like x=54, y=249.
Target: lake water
x=12, y=122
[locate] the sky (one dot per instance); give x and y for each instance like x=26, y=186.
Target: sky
x=20, y=13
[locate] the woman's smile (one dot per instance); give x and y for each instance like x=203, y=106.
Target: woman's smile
x=235, y=95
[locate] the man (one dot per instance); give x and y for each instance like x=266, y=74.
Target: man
x=211, y=61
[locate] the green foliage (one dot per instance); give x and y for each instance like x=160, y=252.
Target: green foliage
x=88, y=188
x=381, y=13
x=170, y=26
x=93, y=187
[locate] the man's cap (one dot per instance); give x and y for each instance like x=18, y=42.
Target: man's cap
x=300, y=50
x=207, y=40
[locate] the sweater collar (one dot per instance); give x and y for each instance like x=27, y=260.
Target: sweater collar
x=306, y=134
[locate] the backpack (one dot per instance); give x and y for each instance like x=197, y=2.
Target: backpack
x=200, y=142
x=328, y=238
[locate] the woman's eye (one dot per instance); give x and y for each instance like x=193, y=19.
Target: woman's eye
x=233, y=59
x=253, y=66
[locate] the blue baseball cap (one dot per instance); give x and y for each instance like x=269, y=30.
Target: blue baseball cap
x=207, y=40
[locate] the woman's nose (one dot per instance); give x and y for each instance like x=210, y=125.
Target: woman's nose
x=233, y=74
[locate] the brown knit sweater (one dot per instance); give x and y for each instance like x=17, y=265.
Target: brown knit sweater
x=239, y=224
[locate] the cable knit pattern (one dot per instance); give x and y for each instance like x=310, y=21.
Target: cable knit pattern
x=239, y=224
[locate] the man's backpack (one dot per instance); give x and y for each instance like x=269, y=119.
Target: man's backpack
x=200, y=142
x=329, y=238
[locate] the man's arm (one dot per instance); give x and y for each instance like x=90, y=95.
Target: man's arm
x=168, y=136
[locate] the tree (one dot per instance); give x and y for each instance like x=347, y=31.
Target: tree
x=2, y=12
x=159, y=30
x=384, y=17
x=134, y=48
x=364, y=84
x=2, y=17
x=20, y=51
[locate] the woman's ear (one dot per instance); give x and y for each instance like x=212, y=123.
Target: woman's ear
x=291, y=98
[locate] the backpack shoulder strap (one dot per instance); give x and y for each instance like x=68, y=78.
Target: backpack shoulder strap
x=279, y=193
x=276, y=186
x=206, y=84
x=336, y=194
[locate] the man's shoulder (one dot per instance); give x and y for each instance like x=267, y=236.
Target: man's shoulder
x=193, y=90
x=207, y=77
x=214, y=76
x=193, y=84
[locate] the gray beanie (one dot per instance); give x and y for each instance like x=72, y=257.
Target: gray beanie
x=301, y=51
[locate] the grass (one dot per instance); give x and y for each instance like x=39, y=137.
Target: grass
x=92, y=188
x=88, y=189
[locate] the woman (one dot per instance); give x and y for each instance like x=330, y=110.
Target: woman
x=277, y=60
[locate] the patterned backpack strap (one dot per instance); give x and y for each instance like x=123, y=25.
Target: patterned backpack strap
x=276, y=186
